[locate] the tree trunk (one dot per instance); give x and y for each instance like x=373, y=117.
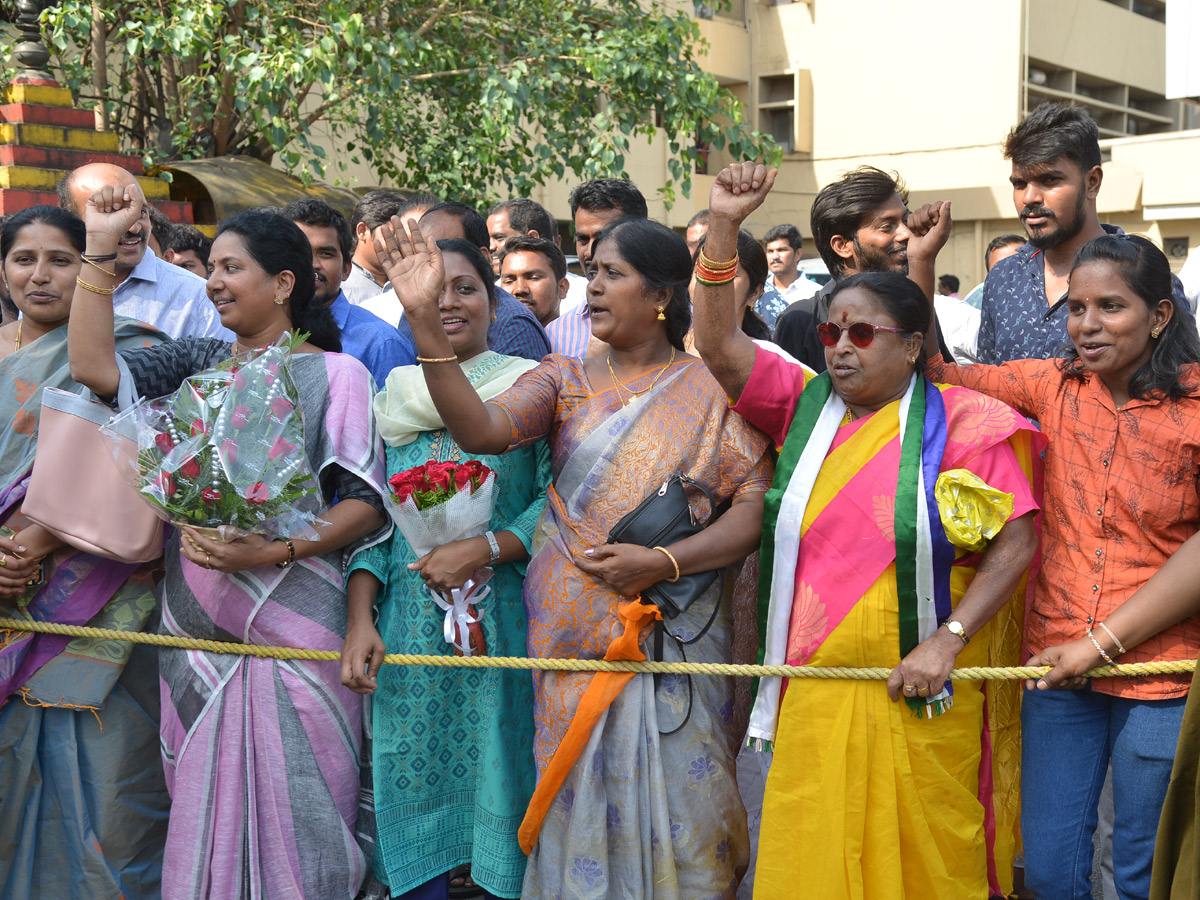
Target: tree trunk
x=100, y=68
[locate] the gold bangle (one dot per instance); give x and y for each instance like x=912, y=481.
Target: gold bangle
x=705, y=281
x=673, y=563
x=96, y=265
x=107, y=292
x=716, y=267
x=436, y=359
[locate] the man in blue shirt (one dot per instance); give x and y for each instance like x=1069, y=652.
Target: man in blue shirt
x=1056, y=177
x=366, y=337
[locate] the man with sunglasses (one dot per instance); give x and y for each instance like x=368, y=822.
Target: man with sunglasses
x=860, y=223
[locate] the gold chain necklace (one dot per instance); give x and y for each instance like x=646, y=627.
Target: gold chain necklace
x=621, y=386
x=17, y=345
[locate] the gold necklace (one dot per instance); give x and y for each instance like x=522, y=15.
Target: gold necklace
x=17, y=345
x=621, y=386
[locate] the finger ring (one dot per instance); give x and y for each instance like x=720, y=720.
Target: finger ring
x=909, y=688
x=208, y=560
x=3, y=560
x=921, y=692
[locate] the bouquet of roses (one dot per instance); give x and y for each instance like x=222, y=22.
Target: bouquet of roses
x=227, y=448
x=435, y=504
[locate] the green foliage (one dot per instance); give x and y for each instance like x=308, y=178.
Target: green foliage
x=461, y=97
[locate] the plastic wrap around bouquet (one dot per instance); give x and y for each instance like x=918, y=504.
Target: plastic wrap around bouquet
x=435, y=504
x=227, y=449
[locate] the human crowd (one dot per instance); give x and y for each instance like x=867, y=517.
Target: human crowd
x=700, y=455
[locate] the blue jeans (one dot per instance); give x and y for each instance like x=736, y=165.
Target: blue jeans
x=1068, y=738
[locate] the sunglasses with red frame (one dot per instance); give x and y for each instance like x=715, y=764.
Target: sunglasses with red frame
x=861, y=333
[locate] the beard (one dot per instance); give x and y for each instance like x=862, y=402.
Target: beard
x=1055, y=232
x=875, y=259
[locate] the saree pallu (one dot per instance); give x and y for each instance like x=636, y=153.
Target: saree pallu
x=650, y=808
x=262, y=755
x=864, y=798
x=84, y=809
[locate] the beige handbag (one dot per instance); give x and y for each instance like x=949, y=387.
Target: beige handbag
x=77, y=490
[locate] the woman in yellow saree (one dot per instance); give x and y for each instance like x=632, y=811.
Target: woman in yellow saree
x=876, y=553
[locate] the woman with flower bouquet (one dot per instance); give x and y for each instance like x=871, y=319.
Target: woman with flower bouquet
x=259, y=753
x=636, y=795
x=451, y=747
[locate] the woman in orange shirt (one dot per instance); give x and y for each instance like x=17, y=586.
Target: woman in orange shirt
x=1121, y=412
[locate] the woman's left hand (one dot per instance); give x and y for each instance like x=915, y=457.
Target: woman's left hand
x=18, y=566
x=449, y=566
x=629, y=568
x=247, y=551
x=1070, y=661
x=924, y=671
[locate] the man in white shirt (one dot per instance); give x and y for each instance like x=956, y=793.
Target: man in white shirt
x=149, y=289
x=783, y=244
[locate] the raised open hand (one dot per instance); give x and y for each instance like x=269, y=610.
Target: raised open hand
x=413, y=264
x=740, y=189
x=111, y=211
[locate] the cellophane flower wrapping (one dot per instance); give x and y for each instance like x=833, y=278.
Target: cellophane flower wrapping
x=227, y=448
x=438, y=503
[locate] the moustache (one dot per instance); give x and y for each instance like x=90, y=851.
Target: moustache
x=1036, y=211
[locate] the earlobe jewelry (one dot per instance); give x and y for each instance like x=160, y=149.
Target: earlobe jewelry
x=661, y=315
x=1155, y=331
x=279, y=301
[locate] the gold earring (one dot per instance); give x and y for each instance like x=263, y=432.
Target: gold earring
x=1155, y=331
x=279, y=301
x=661, y=315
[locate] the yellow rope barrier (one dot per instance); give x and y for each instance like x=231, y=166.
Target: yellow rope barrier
x=871, y=673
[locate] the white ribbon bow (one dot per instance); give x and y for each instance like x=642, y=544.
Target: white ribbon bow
x=458, y=616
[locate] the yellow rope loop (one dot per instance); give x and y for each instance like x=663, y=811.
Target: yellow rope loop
x=873, y=673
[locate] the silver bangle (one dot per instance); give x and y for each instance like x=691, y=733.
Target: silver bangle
x=494, y=546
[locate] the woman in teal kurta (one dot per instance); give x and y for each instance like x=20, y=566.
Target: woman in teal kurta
x=452, y=748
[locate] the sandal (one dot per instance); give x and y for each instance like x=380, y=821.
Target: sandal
x=466, y=887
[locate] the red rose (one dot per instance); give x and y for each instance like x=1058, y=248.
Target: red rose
x=165, y=484
x=229, y=451
x=281, y=408
x=239, y=380
x=199, y=427
x=211, y=495
x=439, y=477
x=403, y=479
x=164, y=443
x=403, y=492
x=240, y=417
x=462, y=478
x=280, y=448
x=190, y=469
x=258, y=493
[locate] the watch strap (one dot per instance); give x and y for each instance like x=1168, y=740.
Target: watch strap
x=494, y=546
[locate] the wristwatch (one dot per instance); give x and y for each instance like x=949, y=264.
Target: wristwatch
x=494, y=545
x=956, y=629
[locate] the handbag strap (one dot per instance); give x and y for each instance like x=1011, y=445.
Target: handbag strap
x=126, y=390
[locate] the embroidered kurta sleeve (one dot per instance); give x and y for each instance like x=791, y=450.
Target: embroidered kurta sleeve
x=525, y=522
x=376, y=559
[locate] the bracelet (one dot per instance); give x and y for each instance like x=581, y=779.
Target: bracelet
x=1120, y=646
x=291, y=557
x=715, y=267
x=105, y=257
x=96, y=265
x=1096, y=644
x=673, y=563
x=712, y=282
x=107, y=292
x=436, y=359
x=493, y=547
